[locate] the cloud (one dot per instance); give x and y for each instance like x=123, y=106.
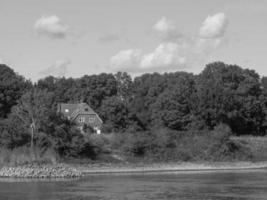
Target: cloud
x=108, y=37
x=126, y=59
x=214, y=26
x=51, y=26
x=166, y=30
x=59, y=68
x=165, y=55
x=176, y=51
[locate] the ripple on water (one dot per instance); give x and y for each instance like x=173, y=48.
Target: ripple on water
x=170, y=186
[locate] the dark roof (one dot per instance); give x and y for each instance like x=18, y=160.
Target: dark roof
x=67, y=106
x=75, y=109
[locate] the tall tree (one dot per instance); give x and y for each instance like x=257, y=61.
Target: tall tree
x=115, y=114
x=33, y=110
x=124, y=86
x=146, y=89
x=95, y=88
x=173, y=107
x=12, y=86
x=229, y=94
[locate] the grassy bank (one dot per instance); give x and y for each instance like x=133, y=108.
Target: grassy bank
x=26, y=155
x=168, y=167
x=256, y=145
x=160, y=151
x=173, y=146
x=78, y=170
x=193, y=153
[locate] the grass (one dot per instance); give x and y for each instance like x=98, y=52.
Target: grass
x=167, y=146
x=174, y=166
x=256, y=144
x=161, y=147
x=26, y=155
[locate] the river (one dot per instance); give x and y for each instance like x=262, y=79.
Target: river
x=220, y=185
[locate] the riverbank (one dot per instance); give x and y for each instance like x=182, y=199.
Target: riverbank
x=158, y=167
x=40, y=171
x=78, y=170
x=182, y=166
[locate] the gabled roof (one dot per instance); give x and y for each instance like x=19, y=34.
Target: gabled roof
x=67, y=106
x=82, y=108
x=75, y=109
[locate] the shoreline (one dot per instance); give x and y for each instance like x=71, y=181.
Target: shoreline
x=173, y=167
x=64, y=170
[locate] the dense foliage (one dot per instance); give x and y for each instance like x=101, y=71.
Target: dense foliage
x=190, y=107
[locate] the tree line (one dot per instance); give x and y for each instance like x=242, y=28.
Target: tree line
x=177, y=101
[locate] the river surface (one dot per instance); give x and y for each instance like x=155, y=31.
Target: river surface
x=230, y=185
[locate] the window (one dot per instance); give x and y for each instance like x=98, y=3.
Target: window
x=81, y=119
x=66, y=110
x=91, y=119
x=86, y=109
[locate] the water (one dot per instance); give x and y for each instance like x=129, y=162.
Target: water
x=241, y=185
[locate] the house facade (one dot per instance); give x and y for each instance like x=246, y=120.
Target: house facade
x=82, y=114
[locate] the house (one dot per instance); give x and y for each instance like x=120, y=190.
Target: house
x=82, y=114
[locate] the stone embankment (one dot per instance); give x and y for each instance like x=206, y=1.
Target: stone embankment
x=40, y=171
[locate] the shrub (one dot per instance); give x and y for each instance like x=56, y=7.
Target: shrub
x=194, y=145
x=102, y=142
x=135, y=144
x=12, y=134
x=88, y=129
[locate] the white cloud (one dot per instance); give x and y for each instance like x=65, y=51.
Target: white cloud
x=214, y=26
x=126, y=59
x=165, y=55
x=59, y=68
x=206, y=46
x=51, y=26
x=176, y=51
x=167, y=30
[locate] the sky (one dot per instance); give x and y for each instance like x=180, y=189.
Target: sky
x=76, y=37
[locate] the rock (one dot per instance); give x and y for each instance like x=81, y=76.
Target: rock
x=40, y=171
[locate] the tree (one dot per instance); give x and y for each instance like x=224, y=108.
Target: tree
x=229, y=94
x=115, y=114
x=33, y=110
x=95, y=88
x=146, y=89
x=173, y=108
x=124, y=86
x=12, y=134
x=12, y=86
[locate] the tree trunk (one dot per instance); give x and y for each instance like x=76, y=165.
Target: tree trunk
x=32, y=133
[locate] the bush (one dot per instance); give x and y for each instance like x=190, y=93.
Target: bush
x=104, y=143
x=194, y=145
x=12, y=134
x=88, y=129
x=136, y=144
